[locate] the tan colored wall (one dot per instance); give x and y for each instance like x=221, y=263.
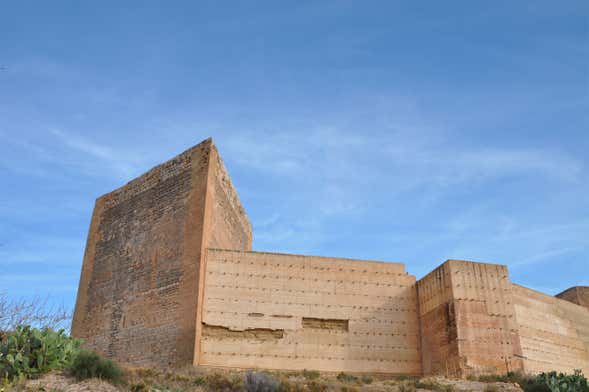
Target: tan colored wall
x=578, y=295
x=554, y=333
x=138, y=293
x=439, y=346
x=279, y=311
x=468, y=320
x=227, y=224
x=487, y=330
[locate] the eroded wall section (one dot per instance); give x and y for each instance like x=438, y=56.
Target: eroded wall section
x=554, y=333
x=439, y=346
x=468, y=320
x=279, y=311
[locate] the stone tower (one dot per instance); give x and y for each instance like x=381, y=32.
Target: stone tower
x=142, y=276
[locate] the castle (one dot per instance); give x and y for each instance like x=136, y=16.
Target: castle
x=169, y=278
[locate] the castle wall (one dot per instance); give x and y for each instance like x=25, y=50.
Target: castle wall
x=227, y=224
x=139, y=288
x=439, y=346
x=468, y=320
x=487, y=330
x=578, y=295
x=169, y=278
x=277, y=311
x=554, y=333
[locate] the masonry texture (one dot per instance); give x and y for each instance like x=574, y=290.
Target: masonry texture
x=169, y=278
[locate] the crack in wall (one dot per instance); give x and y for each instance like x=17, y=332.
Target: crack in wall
x=321, y=323
x=262, y=334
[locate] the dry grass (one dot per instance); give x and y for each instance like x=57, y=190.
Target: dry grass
x=190, y=379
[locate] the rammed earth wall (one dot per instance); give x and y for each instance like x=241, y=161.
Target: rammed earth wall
x=169, y=278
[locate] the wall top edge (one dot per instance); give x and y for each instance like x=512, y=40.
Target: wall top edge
x=399, y=264
x=573, y=288
x=551, y=297
x=450, y=261
x=207, y=143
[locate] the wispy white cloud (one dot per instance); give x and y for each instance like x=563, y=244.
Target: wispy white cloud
x=123, y=165
x=343, y=169
x=77, y=143
x=521, y=245
x=546, y=255
x=337, y=153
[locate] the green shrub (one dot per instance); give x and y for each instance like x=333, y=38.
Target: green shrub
x=348, y=378
x=543, y=382
x=563, y=382
x=29, y=352
x=139, y=387
x=366, y=379
x=198, y=381
x=401, y=377
x=89, y=364
x=220, y=382
x=311, y=374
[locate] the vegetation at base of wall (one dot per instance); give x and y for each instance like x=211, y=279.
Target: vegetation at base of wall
x=433, y=386
x=543, y=382
x=492, y=388
x=348, y=378
x=407, y=387
x=556, y=382
x=261, y=382
x=223, y=382
x=268, y=381
x=89, y=364
x=29, y=352
x=311, y=374
x=351, y=379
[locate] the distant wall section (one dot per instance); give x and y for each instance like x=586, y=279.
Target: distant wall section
x=554, y=333
x=578, y=295
x=281, y=311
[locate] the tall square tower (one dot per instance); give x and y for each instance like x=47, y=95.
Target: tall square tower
x=140, y=291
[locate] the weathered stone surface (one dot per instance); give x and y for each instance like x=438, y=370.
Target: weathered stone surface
x=472, y=328
x=475, y=321
x=578, y=295
x=169, y=278
x=141, y=278
x=324, y=313
x=554, y=333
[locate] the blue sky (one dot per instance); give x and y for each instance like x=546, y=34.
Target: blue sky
x=396, y=130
